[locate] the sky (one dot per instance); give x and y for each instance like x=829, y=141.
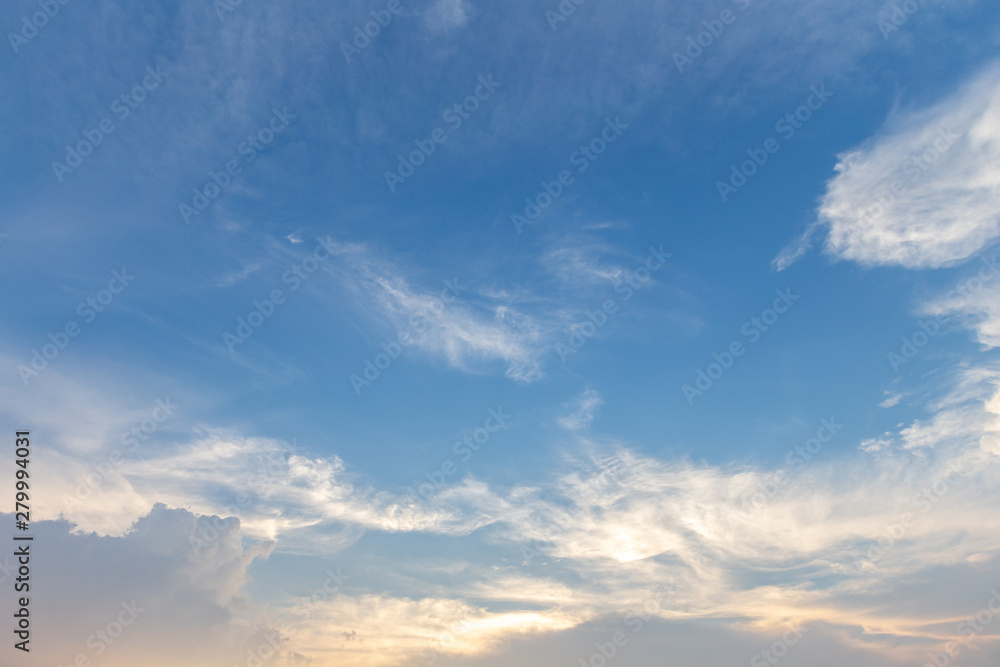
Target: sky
x=392, y=333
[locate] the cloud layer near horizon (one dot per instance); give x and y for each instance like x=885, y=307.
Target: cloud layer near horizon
x=839, y=526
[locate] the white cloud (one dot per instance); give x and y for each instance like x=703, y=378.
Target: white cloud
x=274, y=490
x=394, y=630
x=806, y=553
x=446, y=15
x=979, y=309
x=577, y=263
x=235, y=277
x=923, y=193
x=582, y=415
x=892, y=399
x=795, y=250
x=81, y=416
x=454, y=324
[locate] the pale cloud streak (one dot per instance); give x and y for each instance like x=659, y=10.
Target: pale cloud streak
x=445, y=15
x=583, y=411
x=449, y=323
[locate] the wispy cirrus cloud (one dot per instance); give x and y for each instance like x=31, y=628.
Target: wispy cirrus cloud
x=923, y=192
x=979, y=310
x=582, y=412
x=451, y=321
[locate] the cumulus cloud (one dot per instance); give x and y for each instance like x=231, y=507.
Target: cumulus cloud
x=923, y=192
x=144, y=597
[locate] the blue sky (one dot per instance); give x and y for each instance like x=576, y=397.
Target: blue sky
x=236, y=184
